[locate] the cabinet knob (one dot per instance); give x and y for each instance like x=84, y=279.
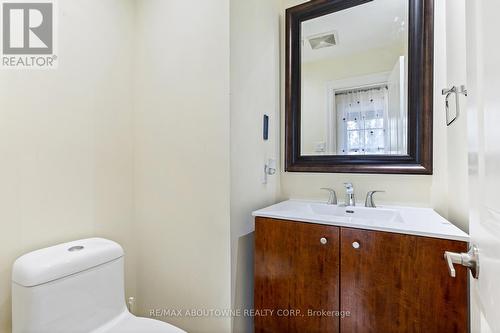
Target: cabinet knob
x=323, y=240
x=355, y=245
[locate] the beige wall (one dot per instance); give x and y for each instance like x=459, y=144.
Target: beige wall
x=254, y=92
x=66, y=141
x=98, y=148
x=182, y=179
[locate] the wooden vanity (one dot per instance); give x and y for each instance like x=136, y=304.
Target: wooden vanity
x=324, y=278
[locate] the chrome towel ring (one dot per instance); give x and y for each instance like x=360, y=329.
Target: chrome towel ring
x=448, y=92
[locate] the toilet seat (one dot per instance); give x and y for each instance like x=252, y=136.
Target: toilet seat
x=128, y=323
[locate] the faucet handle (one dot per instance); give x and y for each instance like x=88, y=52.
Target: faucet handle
x=332, y=200
x=369, y=199
x=349, y=187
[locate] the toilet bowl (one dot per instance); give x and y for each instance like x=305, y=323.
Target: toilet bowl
x=128, y=323
x=75, y=287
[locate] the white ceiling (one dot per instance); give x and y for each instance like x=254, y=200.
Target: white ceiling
x=372, y=25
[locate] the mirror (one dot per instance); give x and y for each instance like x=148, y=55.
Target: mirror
x=354, y=81
x=359, y=86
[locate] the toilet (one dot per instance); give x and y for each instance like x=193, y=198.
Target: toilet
x=75, y=287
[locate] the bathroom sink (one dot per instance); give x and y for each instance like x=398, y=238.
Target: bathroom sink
x=350, y=213
x=398, y=219
x=339, y=213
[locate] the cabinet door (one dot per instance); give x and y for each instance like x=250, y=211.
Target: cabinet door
x=400, y=283
x=295, y=270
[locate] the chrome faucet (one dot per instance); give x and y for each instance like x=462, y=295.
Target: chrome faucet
x=332, y=200
x=349, y=198
x=369, y=199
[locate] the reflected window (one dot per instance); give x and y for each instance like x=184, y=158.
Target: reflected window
x=363, y=114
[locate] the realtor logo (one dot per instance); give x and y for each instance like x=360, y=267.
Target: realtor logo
x=28, y=34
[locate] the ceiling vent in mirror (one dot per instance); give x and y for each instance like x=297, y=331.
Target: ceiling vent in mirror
x=323, y=40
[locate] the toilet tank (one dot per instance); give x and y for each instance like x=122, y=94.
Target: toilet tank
x=71, y=287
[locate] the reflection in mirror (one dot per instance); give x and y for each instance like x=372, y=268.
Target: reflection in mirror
x=354, y=81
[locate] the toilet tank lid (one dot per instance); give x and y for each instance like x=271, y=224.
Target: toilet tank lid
x=55, y=262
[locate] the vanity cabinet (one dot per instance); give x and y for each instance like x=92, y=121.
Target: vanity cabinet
x=296, y=270
x=339, y=279
x=400, y=283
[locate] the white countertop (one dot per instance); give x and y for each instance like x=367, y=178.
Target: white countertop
x=403, y=220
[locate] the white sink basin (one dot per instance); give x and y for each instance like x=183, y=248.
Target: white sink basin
x=406, y=220
x=350, y=213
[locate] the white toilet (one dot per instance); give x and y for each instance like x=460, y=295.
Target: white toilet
x=76, y=287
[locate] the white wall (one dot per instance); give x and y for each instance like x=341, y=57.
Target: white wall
x=439, y=180
x=66, y=141
x=449, y=182
x=254, y=92
x=458, y=203
x=182, y=177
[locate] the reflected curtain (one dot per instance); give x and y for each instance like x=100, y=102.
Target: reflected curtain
x=362, y=118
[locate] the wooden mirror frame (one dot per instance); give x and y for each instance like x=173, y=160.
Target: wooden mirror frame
x=420, y=95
